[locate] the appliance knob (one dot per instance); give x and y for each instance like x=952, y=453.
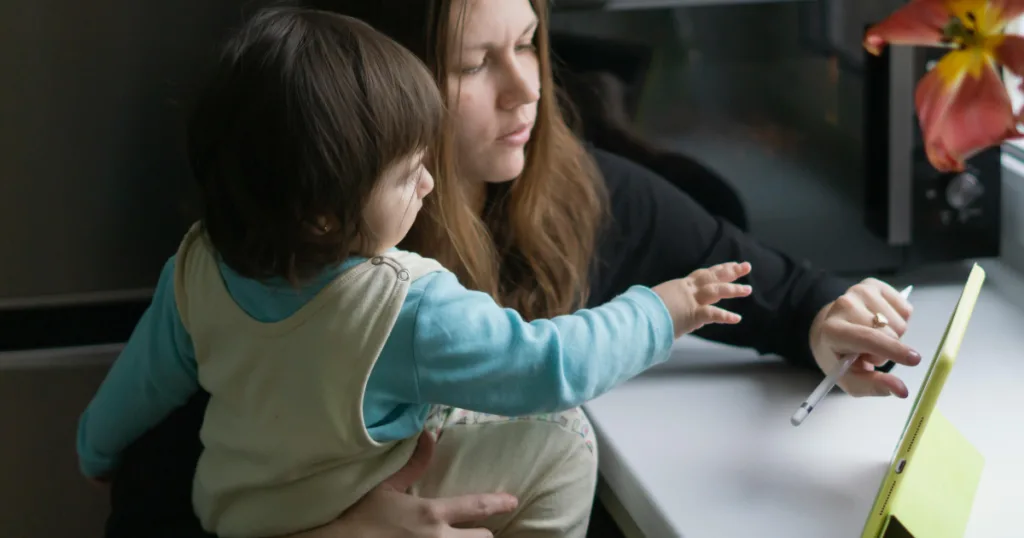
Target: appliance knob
x=963, y=190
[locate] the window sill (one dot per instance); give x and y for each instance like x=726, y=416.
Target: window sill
x=1014, y=148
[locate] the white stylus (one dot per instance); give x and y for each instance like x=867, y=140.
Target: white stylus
x=830, y=380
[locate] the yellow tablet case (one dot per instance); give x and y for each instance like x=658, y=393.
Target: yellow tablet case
x=928, y=491
x=937, y=492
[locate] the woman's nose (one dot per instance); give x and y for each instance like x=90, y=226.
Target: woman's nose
x=521, y=87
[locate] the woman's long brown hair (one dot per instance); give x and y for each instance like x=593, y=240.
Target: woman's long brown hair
x=533, y=247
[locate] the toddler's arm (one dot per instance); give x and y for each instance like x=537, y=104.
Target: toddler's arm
x=473, y=354
x=155, y=373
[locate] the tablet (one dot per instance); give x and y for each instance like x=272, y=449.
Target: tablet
x=924, y=404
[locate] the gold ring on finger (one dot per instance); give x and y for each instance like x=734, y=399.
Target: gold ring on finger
x=879, y=321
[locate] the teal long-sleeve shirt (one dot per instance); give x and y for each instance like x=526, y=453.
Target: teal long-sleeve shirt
x=449, y=346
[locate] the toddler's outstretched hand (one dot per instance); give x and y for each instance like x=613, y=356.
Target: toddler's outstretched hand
x=691, y=300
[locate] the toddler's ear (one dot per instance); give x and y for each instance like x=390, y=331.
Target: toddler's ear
x=321, y=225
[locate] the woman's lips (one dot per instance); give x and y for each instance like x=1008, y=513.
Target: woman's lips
x=518, y=137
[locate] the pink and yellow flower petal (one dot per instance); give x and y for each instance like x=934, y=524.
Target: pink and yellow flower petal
x=963, y=108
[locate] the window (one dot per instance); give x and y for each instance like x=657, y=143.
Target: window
x=1013, y=82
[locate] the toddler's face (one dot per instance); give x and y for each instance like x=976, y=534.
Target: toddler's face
x=396, y=201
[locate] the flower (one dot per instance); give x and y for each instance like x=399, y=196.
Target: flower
x=962, y=104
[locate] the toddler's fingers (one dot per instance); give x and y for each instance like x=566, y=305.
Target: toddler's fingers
x=714, y=314
x=723, y=272
x=712, y=293
x=702, y=277
x=728, y=272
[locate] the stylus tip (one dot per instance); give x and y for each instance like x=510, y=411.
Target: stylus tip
x=799, y=416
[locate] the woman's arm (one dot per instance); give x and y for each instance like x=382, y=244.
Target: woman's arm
x=657, y=232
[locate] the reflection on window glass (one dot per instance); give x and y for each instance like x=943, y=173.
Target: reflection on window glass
x=768, y=95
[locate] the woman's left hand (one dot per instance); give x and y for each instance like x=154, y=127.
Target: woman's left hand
x=848, y=325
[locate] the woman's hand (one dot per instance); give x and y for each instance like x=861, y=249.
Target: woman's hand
x=388, y=512
x=847, y=326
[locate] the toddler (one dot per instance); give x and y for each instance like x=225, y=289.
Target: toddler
x=325, y=349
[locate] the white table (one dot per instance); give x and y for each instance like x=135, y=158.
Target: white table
x=702, y=446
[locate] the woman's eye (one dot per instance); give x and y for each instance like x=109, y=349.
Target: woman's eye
x=530, y=47
x=474, y=68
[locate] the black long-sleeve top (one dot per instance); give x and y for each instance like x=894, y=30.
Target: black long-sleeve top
x=655, y=233
x=658, y=233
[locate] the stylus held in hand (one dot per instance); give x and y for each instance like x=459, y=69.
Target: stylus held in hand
x=830, y=380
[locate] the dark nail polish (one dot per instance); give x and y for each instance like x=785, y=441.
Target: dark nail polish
x=913, y=358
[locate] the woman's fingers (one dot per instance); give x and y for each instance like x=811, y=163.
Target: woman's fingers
x=869, y=362
x=860, y=382
x=413, y=469
x=868, y=320
x=876, y=303
x=893, y=297
x=469, y=508
x=849, y=337
x=859, y=307
x=860, y=313
x=468, y=533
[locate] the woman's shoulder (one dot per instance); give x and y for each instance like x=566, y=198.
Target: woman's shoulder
x=632, y=185
x=618, y=171
x=636, y=191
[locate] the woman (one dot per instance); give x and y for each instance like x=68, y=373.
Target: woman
x=535, y=219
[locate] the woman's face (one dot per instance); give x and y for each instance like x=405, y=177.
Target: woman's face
x=494, y=86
